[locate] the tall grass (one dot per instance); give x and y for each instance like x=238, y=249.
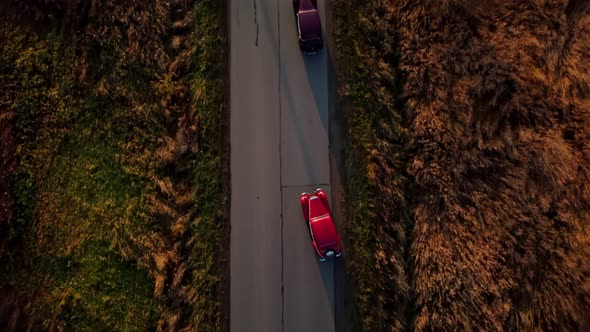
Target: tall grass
x=479, y=111
x=375, y=190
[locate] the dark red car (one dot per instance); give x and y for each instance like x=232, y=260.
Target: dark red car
x=316, y=211
x=309, y=26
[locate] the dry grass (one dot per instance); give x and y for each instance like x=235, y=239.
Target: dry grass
x=498, y=103
x=494, y=102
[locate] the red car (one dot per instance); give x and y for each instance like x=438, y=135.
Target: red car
x=316, y=211
x=309, y=26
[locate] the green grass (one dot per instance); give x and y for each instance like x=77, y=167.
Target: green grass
x=354, y=97
x=76, y=200
x=80, y=251
x=207, y=80
x=374, y=186
x=99, y=291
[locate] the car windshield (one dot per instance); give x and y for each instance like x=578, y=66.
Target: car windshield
x=309, y=25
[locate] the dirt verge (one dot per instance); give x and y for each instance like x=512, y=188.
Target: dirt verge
x=8, y=163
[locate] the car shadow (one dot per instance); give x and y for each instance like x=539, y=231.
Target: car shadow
x=327, y=273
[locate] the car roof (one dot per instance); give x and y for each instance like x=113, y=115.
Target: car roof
x=309, y=24
x=322, y=226
x=324, y=231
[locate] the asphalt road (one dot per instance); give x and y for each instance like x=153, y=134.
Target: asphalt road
x=279, y=148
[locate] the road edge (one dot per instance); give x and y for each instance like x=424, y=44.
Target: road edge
x=225, y=5
x=336, y=137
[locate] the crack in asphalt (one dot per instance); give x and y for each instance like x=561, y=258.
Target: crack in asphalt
x=255, y=22
x=281, y=178
x=319, y=185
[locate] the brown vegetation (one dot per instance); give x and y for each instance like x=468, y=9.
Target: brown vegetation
x=492, y=105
